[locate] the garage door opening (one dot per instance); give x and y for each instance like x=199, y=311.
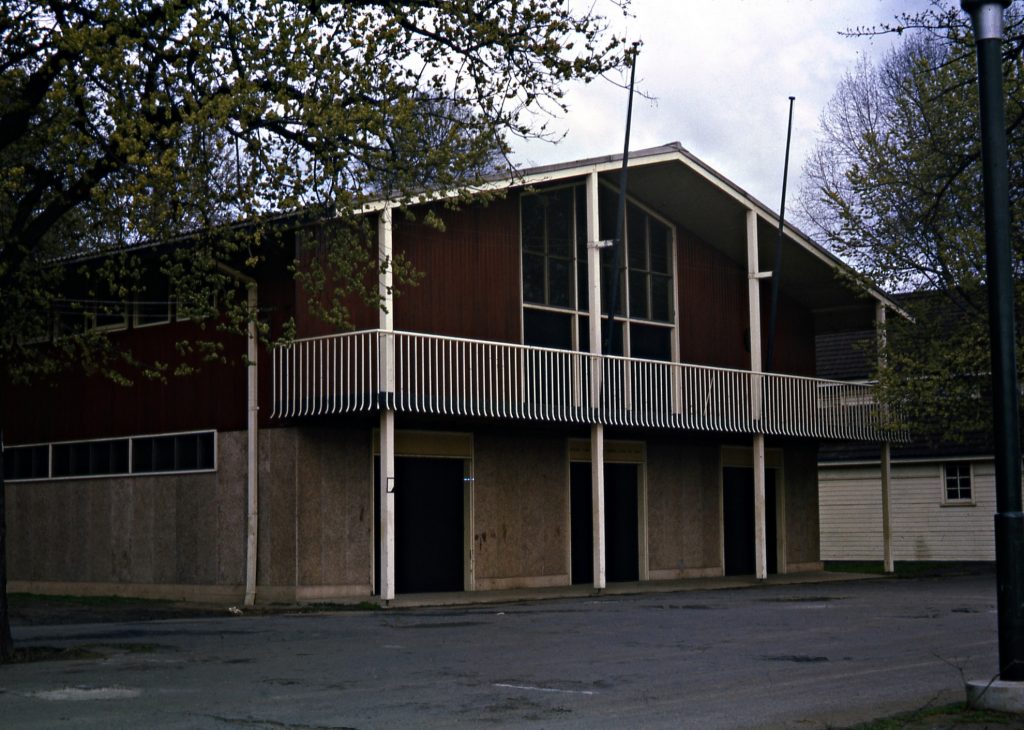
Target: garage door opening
x=738, y=521
x=621, y=519
x=429, y=520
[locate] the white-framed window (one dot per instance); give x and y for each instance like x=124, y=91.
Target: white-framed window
x=153, y=305
x=554, y=274
x=132, y=455
x=957, y=483
x=107, y=317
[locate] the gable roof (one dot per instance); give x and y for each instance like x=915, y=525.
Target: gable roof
x=696, y=197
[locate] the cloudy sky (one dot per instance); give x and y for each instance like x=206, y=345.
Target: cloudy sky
x=720, y=73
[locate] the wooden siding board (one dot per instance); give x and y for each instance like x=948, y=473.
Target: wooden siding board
x=470, y=285
x=713, y=313
x=923, y=527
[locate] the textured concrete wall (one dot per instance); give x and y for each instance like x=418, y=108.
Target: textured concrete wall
x=683, y=520
x=334, y=492
x=316, y=514
x=801, y=487
x=521, y=510
x=178, y=529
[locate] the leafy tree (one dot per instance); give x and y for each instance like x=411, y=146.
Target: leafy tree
x=132, y=121
x=894, y=187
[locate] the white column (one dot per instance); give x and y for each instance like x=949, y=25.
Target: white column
x=252, y=454
x=754, y=301
x=885, y=462
x=596, y=375
x=386, y=374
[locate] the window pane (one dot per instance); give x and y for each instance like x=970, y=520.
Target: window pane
x=582, y=286
x=651, y=343
x=638, y=295
x=142, y=455
x=560, y=229
x=99, y=458
x=533, y=278
x=958, y=482
x=637, y=238
x=186, y=449
x=119, y=456
x=61, y=460
x=559, y=282
x=607, y=293
x=163, y=453
x=533, y=223
x=616, y=345
x=607, y=205
x=661, y=298
x=26, y=462
x=659, y=247
x=547, y=329
x=581, y=221
x=204, y=443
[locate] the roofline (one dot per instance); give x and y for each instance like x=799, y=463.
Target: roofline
x=673, y=151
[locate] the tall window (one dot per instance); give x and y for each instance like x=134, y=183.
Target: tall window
x=958, y=481
x=555, y=304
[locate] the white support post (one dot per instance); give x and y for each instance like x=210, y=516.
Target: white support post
x=252, y=448
x=596, y=375
x=885, y=462
x=886, y=508
x=756, y=405
x=386, y=364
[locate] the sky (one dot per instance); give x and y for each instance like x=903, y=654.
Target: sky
x=720, y=74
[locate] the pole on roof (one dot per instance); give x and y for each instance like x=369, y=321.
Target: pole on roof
x=778, y=248
x=987, y=19
x=620, y=218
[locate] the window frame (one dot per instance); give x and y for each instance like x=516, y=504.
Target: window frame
x=131, y=471
x=580, y=317
x=945, y=476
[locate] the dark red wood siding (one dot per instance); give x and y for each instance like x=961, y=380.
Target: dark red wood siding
x=794, y=343
x=78, y=406
x=470, y=285
x=713, y=313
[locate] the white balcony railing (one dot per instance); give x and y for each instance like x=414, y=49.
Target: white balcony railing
x=416, y=373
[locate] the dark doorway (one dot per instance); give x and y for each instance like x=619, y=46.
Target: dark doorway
x=429, y=552
x=738, y=520
x=621, y=521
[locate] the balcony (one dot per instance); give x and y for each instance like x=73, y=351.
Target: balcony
x=429, y=374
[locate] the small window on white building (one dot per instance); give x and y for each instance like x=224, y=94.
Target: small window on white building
x=958, y=482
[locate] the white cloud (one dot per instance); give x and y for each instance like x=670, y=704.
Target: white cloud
x=722, y=72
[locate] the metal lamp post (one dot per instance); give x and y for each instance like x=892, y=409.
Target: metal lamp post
x=987, y=17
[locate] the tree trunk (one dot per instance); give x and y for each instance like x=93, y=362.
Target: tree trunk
x=6, y=643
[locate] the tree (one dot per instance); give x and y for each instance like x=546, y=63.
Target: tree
x=894, y=187
x=131, y=121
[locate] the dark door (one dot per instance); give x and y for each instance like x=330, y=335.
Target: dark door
x=738, y=520
x=622, y=533
x=429, y=538
x=581, y=523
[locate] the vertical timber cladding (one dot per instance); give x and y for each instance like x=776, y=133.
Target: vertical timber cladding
x=433, y=489
x=738, y=546
x=625, y=509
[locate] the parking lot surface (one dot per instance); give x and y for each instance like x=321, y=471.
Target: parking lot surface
x=807, y=656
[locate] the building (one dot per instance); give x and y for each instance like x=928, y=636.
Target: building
x=470, y=435
x=941, y=497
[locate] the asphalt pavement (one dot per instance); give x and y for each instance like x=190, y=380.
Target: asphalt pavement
x=800, y=655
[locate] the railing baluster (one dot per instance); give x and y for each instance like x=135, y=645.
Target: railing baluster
x=455, y=376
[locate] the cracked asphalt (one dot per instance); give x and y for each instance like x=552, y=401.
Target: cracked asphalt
x=806, y=656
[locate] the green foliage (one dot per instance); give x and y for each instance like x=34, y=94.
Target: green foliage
x=127, y=122
x=894, y=187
